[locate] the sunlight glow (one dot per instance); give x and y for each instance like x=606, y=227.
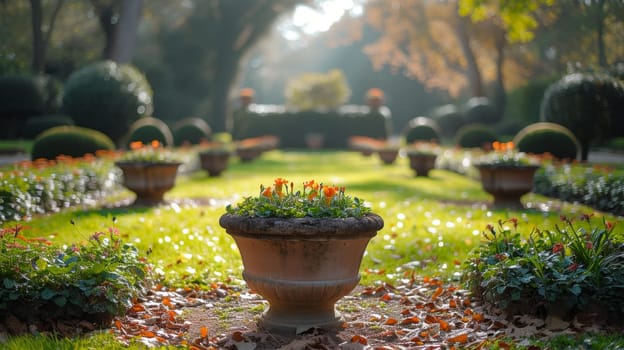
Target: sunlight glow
x=309, y=20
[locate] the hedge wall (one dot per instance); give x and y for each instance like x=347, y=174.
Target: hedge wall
x=292, y=127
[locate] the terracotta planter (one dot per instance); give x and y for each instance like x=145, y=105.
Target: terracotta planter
x=388, y=156
x=214, y=162
x=507, y=183
x=248, y=154
x=301, y=266
x=149, y=181
x=422, y=163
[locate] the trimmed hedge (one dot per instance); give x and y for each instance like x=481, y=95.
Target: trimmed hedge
x=474, y=135
x=292, y=127
x=36, y=125
x=449, y=118
x=191, y=131
x=422, y=129
x=149, y=129
x=545, y=137
x=107, y=97
x=71, y=141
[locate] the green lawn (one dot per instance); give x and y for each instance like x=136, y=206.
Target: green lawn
x=430, y=223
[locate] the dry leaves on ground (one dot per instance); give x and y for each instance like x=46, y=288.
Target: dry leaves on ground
x=412, y=314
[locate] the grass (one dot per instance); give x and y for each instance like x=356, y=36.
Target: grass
x=431, y=224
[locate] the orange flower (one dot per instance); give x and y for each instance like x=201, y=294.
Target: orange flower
x=375, y=93
x=268, y=192
x=155, y=144
x=279, y=184
x=136, y=145
x=329, y=193
x=558, y=247
x=247, y=92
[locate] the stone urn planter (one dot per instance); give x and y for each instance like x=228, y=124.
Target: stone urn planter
x=302, y=266
x=248, y=154
x=421, y=163
x=507, y=183
x=388, y=155
x=214, y=161
x=149, y=181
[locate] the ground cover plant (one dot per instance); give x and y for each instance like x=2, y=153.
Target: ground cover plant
x=431, y=226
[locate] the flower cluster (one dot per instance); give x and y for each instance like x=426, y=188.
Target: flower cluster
x=505, y=154
x=152, y=153
x=423, y=148
x=314, y=200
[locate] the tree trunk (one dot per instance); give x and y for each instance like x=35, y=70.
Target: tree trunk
x=108, y=18
x=500, y=95
x=125, y=33
x=38, y=59
x=600, y=18
x=473, y=72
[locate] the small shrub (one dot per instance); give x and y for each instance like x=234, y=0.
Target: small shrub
x=21, y=97
x=561, y=271
x=474, y=135
x=94, y=281
x=107, y=97
x=317, y=90
x=480, y=110
x=149, y=129
x=449, y=118
x=422, y=129
x=37, y=125
x=550, y=138
x=587, y=104
x=71, y=141
x=191, y=131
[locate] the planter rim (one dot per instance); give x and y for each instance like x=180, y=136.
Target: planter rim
x=145, y=164
x=507, y=166
x=301, y=228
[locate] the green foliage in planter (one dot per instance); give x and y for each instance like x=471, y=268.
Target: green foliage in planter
x=422, y=129
x=588, y=105
x=318, y=90
x=71, y=141
x=107, y=97
x=36, y=125
x=449, y=119
x=149, y=129
x=480, y=110
x=191, y=131
x=474, y=135
x=574, y=268
x=545, y=137
x=43, y=187
x=95, y=280
x=595, y=187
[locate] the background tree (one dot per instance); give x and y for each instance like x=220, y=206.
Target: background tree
x=40, y=36
x=200, y=56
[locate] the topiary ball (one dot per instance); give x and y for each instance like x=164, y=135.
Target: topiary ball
x=70, y=141
x=422, y=129
x=107, y=97
x=149, y=129
x=449, y=118
x=191, y=131
x=545, y=137
x=36, y=125
x=479, y=110
x=474, y=135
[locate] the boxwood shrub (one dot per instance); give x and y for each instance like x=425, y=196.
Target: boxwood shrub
x=36, y=125
x=71, y=141
x=149, y=129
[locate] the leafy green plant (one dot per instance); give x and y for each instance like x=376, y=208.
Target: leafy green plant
x=96, y=280
x=148, y=129
x=570, y=267
x=315, y=200
x=70, y=140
